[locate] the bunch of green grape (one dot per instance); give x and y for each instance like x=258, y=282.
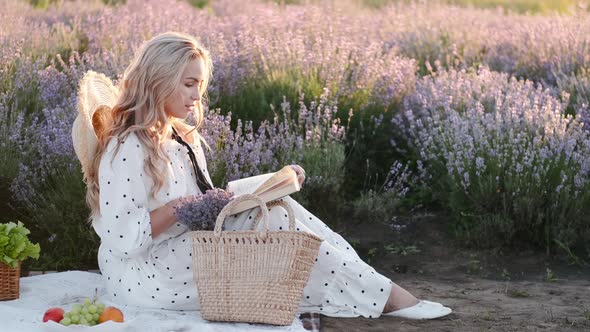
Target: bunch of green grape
x=86, y=313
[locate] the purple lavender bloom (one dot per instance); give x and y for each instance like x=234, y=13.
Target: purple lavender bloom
x=200, y=214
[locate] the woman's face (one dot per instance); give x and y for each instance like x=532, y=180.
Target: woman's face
x=188, y=94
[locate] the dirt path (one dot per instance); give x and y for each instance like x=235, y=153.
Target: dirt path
x=488, y=291
x=485, y=305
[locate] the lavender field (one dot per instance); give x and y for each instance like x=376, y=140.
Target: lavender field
x=477, y=114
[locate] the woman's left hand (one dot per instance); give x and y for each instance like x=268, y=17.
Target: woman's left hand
x=300, y=173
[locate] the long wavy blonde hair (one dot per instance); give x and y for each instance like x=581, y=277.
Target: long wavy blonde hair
x=149, y=81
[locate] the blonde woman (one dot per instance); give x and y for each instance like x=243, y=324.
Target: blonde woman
x=149, y=160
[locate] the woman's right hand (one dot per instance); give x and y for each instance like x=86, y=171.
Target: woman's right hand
x=165, y=216
x=178, y=202
x=300, y=173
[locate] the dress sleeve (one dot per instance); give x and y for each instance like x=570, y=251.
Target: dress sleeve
x=125, y=219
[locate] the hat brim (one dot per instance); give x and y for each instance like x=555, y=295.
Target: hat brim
x=95, y=91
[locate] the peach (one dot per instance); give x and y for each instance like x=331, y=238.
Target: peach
x=111, y=313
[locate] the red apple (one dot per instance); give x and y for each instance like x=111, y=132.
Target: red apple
x=54, y=314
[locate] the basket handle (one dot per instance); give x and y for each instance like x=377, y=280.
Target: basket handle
x=286, y=206
x=226, y=210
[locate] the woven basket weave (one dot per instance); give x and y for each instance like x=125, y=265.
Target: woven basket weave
x=251, y=276
x=9, y=282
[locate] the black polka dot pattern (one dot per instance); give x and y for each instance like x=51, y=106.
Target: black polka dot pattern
x=141, y=270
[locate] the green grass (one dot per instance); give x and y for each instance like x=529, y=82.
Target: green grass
x=58, y=221
x=524, y=6
x=199, y=3
x=9, y=160
x=369, y=154
x=516, y=6
x=517, y=293
x=44, y=4
x=324, y=196
x=253, y=101
x=374, y=206
x=402, y=250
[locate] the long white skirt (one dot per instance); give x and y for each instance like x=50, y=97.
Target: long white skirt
x=340, y=284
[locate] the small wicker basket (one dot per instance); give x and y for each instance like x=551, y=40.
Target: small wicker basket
x=9, y=282
x=251, y=276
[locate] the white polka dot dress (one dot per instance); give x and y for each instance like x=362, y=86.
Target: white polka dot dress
x=340, y=284
x=157, y=272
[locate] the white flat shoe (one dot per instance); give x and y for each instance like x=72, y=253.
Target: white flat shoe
x=435, y=303
x=421, y=310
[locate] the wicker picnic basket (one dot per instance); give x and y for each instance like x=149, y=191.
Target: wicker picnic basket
x=9, y=282
x=252, y=276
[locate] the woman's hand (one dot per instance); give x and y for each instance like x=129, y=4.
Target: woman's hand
x=180, y=201
x=300, y=173
x=165, y=216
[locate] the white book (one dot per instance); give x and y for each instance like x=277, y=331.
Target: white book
x=269, y=187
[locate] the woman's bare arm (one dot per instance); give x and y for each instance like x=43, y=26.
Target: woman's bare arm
x=165, y=216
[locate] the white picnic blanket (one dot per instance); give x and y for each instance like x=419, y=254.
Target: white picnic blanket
x=41, y=292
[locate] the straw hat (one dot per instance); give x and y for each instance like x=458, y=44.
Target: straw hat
x=96, y=97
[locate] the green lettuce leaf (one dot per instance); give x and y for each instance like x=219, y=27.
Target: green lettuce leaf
x=15, y=245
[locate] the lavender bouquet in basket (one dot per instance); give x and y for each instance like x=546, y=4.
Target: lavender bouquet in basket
x=200, y=213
